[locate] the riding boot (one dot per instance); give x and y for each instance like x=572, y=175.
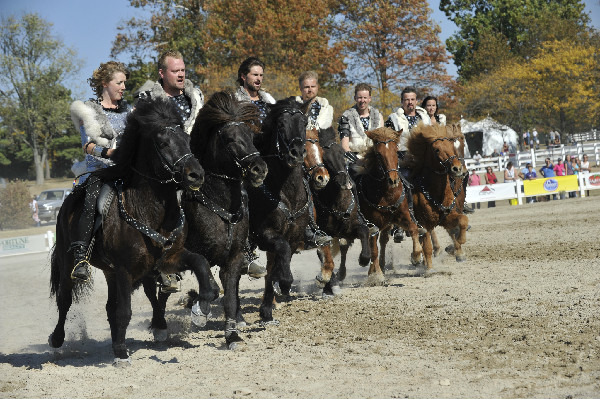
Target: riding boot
x=313, y=237
x=373, y=230
x=81, y=271
x=81, y=266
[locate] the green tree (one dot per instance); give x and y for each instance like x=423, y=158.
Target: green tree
x=34, y=104
x=391, y=44
x=515, y=27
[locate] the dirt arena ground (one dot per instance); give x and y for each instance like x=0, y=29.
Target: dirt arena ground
x=518, y=319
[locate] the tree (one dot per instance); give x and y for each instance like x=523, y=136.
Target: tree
x=34, y=103
x=391, y=44
x=556, y=89
x=513, y=26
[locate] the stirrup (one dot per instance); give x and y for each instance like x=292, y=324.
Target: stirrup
x=373, y=230
x=81, y=272
x=168, y=283
x=319, y=238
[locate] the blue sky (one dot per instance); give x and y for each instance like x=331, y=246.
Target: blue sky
x=89, y=27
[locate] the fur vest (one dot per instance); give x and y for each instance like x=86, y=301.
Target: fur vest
x=400, y=122
x=242, y=95
x=358, y=140
x=91, y=116
x=193, y=93
x=325, y=116
x=442, y=119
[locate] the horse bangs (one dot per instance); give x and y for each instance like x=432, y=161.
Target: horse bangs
x=221, y=108
x=328, y=136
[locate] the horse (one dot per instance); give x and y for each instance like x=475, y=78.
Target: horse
x=337, y=211
x=217, y=214
x=438, y=175
x=143, y=226
x=383, y=200
x=279, y=208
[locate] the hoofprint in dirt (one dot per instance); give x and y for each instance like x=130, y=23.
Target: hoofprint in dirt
x=517, y=319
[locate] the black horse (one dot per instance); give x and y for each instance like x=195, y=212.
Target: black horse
x=142, y=229
x=279, y=208
x=337, y=207
x=217, y=215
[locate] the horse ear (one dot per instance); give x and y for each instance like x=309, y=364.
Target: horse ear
x=398, y=134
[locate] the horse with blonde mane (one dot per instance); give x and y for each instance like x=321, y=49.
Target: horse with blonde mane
x=438, y=174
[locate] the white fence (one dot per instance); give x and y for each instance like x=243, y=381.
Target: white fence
x=537, y=157
x=507, y=191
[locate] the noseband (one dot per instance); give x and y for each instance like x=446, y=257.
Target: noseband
x=380, y=157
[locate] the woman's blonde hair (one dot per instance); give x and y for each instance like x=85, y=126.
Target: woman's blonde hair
x=104, y=74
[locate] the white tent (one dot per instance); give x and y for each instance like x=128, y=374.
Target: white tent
x=494, y=135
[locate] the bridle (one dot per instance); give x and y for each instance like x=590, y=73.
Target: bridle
x=279, y=142
x=173, y=170
x=309, y=171
x=446, y=163
x=384, y=171
x=238, y=161
x=335, y=173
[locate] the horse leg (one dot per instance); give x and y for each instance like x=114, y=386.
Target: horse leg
x=230, y=278
x=375, y=274
x=118, y=311
x=158, y=325
x=383, y=240
x=362, y=232
x=327, y=276
x=458, y=234
x=427, y=250
x=206, y=292
x=268, y=300
x=64, y=299
x=436, y=243
x=341, y=275
x=417, y=252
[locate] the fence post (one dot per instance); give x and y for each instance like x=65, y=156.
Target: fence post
x=50, y=239
x=532, y=157
x=518, y=185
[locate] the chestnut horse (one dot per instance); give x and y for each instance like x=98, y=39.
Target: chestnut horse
x=383, y=199
x=438, y=175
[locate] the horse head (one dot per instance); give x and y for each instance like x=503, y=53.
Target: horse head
x=222, y=138
x=155, y=146
x=385, y=152
x=285, y=131
x=313, y=161
x=439, y=147
x=334, y=159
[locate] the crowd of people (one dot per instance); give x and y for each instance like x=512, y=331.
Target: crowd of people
x=571, y=165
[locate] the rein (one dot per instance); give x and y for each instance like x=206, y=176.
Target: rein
x=236, y=160
x=293, y=216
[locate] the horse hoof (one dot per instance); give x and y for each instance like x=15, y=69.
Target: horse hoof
x=364, y=261
x=269, y=323
x=375, y=280
x=321, y=282
x=461, y=258
x=450, y=249
x=327, y=296
x=199, y=318
x=160, y=335
x=336, y=290
x=121, y=363
x=55, y=343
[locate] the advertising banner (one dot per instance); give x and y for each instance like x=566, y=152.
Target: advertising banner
x=551, y=185
x=490, y=192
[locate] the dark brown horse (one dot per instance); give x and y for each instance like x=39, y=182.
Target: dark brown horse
x=383, y=199
x=142, y=229
x=338, y=210
x=438, y=176
x=218, y=214
x=279, y=209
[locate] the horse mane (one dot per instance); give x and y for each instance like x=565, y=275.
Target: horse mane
x=221, y=108
x=148, y=114
x=379, y=134
x=328, y=136
x=275, y=111
x=421, y=138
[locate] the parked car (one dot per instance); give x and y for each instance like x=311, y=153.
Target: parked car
x=50, y=201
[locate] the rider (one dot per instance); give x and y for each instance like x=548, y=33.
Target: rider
x=406, y=117
x=353, y=124
x=188, y=100
x=250, y=78
x=100, y=122
x=320, y=116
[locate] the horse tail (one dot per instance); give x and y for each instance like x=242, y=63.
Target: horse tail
x=54, y=273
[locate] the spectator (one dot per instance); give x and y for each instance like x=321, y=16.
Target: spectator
x=495, y=154
x=552, y=138
x=474, y=180
x=35, y=211
x=530, y=175
x=575, y=168
x=559, y=170
x=535, y=142
x=548, y=171
x=490, y=178
x=505, y=149
x=477, y=156
x=584, y=166
x=510, y=173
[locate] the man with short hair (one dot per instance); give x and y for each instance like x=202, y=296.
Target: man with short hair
x=355, y=121
x=320, y=113
x=250, y=79
x=174, y=86
x=406, y=117
x=547, y=170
